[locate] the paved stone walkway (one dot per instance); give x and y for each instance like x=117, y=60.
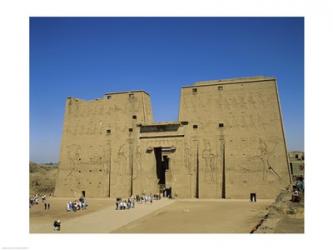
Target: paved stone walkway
x=105, y=220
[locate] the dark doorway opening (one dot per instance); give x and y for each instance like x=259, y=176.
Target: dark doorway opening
x=84, y=193
x=159, y=168
x=162, y=165
x=165, y=163
x=167, y=192
x=253, y=197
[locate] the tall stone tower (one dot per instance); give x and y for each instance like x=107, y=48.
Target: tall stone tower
x=98, y=142
x=236, y=126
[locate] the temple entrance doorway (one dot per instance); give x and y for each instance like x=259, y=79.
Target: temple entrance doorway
x=162, y=167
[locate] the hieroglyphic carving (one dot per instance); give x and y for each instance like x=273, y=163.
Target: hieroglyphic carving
x=89, y=127
x=242, y=102
x=259, y=121
x=109, y=110
x=250, y=99
x=234, y=121
x=76, y=109
x=251, y=120
x=235, y=101
x=74, y=129
x=81, y=130
x=226, y=104
x=260, y=99
x=101, y=110
x=243, y=122
x=73, y=158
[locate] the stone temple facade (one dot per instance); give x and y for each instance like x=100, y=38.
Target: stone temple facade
x=228, y=142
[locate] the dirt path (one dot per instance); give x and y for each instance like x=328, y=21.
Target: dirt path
x=100, y=217
x=201, y=216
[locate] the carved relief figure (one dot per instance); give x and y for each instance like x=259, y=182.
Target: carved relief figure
x=187, y=160
x=263, y=157
x=121, y=158
x=210, y=163
x=138, y=161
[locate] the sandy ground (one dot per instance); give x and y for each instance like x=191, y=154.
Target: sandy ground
x=39, y=215
x=284, y=216
x=163, y=216
x=201, y=216
x=290, y=225
x=99, y=217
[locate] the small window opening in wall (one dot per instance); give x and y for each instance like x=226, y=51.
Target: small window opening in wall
x=79, y=159
x=220, y=88
x=134, y=116
x=221, y=125
x=90, y=170
x=195, y=126
x=108, y=131
x=100, y=170
x=130, y=130
x=108, y=97
x=79, y=171
x=194, y=91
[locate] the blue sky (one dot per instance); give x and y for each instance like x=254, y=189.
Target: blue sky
x=87, y=57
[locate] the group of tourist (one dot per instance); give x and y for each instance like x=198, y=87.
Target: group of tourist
x=35, y=199
x=125, y=204
x=76, y=205
x=130, y=202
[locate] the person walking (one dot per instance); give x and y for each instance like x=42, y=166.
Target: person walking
x=56, y=225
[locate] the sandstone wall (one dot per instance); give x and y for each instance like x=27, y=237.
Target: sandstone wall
x=98, y=144
x=240, y=122
x=227, y=143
